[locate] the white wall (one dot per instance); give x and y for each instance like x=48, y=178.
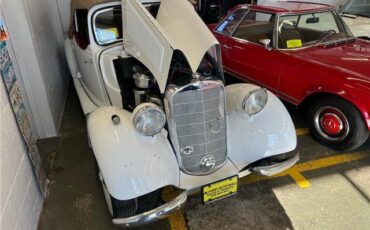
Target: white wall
x=36, y=33
x=20, y=199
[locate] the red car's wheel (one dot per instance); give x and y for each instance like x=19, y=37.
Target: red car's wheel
x=336, y=123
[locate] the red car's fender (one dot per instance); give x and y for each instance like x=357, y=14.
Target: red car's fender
x=346, y=94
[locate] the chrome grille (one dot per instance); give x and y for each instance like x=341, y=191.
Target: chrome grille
x=197, y=124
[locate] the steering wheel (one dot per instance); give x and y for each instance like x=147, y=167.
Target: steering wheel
x=285, y=22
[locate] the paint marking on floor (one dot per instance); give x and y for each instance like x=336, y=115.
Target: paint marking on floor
x=177, y=221
x=300, y=168
x=302, y=131
x=299, y=179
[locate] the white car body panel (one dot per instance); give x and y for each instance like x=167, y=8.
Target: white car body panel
x=189, y=182
x=144, y=39
x=267, y=133
x=109, y=73
x=359, y=26
x=153, y=41
x=131, y=165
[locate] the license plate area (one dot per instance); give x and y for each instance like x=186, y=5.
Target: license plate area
x=220, y=189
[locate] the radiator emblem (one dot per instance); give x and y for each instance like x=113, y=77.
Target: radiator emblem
x=187, y=150
x=207, y=163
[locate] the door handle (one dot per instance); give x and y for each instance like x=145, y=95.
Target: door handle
x=227, y=46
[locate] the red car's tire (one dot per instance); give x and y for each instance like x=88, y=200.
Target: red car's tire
x=336, y=123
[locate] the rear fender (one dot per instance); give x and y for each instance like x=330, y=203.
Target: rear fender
x=265, y=134
x=131, y=165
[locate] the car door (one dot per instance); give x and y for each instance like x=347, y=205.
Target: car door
x=90, y=78
x=224, y=30
x=248, y=56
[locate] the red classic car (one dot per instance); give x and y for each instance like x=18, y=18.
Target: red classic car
x=305, y=54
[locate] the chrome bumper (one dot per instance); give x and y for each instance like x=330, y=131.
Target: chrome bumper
x=277, y=167
x=153, y=215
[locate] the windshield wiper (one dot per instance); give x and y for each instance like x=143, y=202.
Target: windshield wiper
x=348, y=15
x=327, y=34
x=340, y=41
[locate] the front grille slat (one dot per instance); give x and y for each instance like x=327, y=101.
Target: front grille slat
x=198, y=124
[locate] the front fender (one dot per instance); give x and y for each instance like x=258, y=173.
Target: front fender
x=267, y=133
x=131, y=165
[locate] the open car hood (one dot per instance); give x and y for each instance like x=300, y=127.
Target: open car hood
x=176, y=27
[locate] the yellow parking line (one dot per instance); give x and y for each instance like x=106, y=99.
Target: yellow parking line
x=299, y=179
x=295, y=171
x=177, y=221
x=330, y=161
x=302, y=131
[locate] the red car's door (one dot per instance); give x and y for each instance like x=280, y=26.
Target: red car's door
x=244, y=54
x=225, y=48
x=224, y=30
x=254, y=63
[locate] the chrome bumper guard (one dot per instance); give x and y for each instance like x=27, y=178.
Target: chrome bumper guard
x=276, y=168
x=153, y=215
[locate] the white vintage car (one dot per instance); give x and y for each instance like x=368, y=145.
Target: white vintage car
x=356, y=14
x=150, y=81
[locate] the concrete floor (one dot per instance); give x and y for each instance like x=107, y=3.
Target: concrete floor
x=335, y=197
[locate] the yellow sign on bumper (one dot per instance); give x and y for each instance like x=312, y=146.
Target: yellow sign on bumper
x=220, y=189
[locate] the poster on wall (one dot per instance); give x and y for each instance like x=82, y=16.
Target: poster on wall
x=15, y=96
x=3, y=33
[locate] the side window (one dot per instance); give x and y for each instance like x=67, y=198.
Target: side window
x=256, y=26
x=81, y=28
x=228, y=24
x=107, y=25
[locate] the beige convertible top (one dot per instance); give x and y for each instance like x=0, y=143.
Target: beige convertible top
x=82, y=4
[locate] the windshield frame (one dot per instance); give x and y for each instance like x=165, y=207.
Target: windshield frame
x=93, y=27
x=336, y=16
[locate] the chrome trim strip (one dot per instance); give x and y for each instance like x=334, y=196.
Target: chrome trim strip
x=276, y=168
x=153, y=215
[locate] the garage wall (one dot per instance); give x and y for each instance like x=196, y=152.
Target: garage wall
x=36, y=33
x=20, y=199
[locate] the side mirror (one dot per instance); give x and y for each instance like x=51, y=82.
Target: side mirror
x=266, y=43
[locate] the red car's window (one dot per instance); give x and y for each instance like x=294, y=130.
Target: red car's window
x=301, y=30
x=256, y=26
x=228, y=25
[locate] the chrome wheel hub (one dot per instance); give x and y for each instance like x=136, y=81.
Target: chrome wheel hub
x=331, y=123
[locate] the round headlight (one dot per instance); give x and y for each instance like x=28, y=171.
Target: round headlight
x=254, y=102
x=148, y=119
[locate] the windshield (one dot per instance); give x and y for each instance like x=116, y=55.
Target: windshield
x=357, y=7
x=295, y=31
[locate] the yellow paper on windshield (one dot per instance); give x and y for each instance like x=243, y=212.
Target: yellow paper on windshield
x=294, y=43
x=114, y=31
